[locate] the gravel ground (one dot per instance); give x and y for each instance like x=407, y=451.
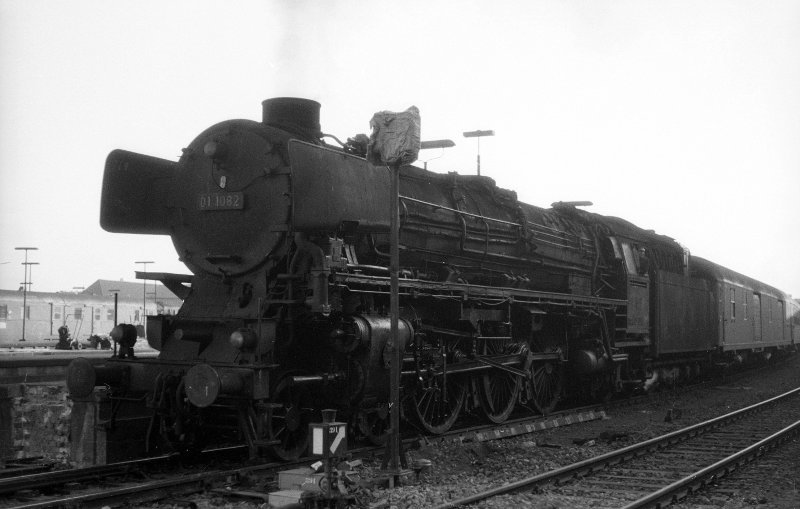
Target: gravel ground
x=772, y=482
x=463, y=468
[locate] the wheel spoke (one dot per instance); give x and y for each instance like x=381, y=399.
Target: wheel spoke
x=498, y=390
x=428, y=404
x=547, y=380
x=292, y=419
x=436, y=414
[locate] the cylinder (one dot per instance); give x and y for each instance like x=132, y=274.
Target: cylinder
x=354, y=334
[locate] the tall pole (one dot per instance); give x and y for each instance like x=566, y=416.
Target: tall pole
x=115, y=291
x=479, y=156
x=479, y=135
x=25, y=284
x=394, y=312
x=144, y=295
x=116, y=303
x=392, y=147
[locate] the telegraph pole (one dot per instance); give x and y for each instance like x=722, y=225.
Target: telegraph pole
x=25, y=284
x=479, y=135
x=144, y=295
x=115, y=291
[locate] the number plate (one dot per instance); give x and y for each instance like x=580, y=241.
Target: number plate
x=220, y=201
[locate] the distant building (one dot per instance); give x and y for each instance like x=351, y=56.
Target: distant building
x=90, y=312
x=129, y=290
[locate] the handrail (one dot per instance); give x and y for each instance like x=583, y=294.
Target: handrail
x=460, y=212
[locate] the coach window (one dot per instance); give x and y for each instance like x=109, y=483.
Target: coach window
x=57, y=313
x=744, y=304
x=27, y=312
x=78, y=313
x=733, y=304
x=109, y=314
x=3, y=312
x=97, y=315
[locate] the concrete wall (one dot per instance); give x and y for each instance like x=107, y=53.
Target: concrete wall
x=35, y=421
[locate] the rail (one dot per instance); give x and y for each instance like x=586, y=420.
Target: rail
x=45, y=479
x=665, y=494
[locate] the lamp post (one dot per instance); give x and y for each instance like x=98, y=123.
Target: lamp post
x=30, y=273
x=435, y=144
x=479, y=135
x=144, y=294
x=25, y=284
x=154, y=295
x=115, y=291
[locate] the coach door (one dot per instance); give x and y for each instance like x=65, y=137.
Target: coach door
x=782, y=320
x=756, y=317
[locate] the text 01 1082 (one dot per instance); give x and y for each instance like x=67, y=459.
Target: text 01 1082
x=220, y=201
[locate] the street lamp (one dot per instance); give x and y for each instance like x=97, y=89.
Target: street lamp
x=435, y=144
x=25, y=284
x=115, y=291
x=479, y=135
x=144, y=294
x=154, y=295
x=30, y=272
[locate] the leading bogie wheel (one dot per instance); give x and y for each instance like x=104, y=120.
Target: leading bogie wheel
x=293, y=413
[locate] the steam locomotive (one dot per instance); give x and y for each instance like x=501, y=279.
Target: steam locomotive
x=504, y=306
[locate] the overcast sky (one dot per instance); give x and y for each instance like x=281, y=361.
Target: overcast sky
x=680, y=116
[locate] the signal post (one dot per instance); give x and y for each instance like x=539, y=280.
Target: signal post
x=394, y=142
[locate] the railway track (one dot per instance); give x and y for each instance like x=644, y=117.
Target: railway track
x=16, y=467
x=659, y=471
x=130, y=492
x=129, y=482
x=114, y=477
x=38, y=480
